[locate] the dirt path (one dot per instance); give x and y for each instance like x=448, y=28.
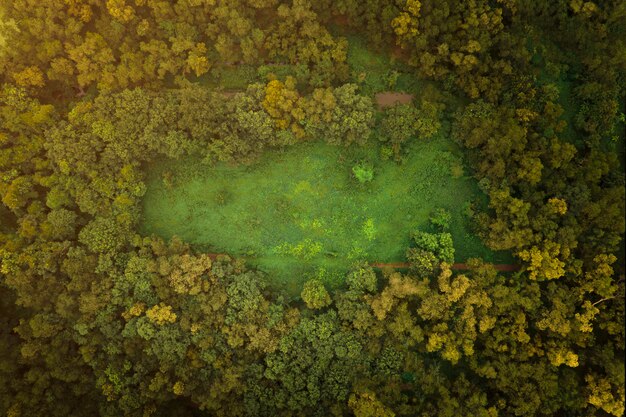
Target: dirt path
x=383, y=100
x=400, y=265
x=214, y=256
x=457, y=266
x=389, y=99
x=231, y=93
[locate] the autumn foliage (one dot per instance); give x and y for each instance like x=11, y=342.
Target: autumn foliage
x=97, y=319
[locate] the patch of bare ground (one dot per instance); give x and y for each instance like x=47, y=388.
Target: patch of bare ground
x=401, y=54
x=229, y=94
x=404, y=265
x=342, y=20
x=390, y=99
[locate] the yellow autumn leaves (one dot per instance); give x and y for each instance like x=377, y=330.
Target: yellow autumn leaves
x=289, y=109
x=159, y=314
x=406, y=23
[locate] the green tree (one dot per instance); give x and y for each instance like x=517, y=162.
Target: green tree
x=314, y=294
x=362, y=278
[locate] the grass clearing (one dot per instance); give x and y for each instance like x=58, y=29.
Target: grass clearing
x=375, y=72
x=300, y=212
x=230, y=77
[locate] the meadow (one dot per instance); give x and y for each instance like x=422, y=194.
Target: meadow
x=300, y=211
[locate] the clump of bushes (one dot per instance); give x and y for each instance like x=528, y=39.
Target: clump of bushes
x=406, y=121
x=307, y=249
x=432, y=248
x=440, y=219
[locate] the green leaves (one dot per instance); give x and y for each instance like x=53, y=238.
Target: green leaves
x=314, y=294
x=314, y=366
x=99, y=320
x=362, y=278
x=59, y=225
x=102, y=235
x=306, y=249
x=363, y=172
x=441, y=218
x=440, y=244
x=404, y=121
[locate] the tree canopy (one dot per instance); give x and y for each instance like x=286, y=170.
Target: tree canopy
x=98, y=319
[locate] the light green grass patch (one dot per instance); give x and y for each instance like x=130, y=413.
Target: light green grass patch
x=300, y=212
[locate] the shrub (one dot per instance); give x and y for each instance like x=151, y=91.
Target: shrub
x=306, y=249
x=457, y=170
x=441, y=219
x=405, y=121
x=369, y=229
x=440, y=244
x=386, y=152
x=364, y=172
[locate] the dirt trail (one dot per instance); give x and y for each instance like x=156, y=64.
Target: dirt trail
x=400, y=265
x=231, y=93
x=383, y=100
x=214, y=256
x=457, y=266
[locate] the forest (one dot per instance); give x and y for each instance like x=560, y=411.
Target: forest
x=368, y=208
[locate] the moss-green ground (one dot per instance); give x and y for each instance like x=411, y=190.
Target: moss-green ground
x=300, y=211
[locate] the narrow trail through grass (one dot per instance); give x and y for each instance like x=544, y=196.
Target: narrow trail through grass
x=300, y=212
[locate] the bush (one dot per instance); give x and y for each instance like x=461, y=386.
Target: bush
x=369, y=229
x=441, y=219
x=364, y=172
x=439, y=244
x=306, y=249
x=405, y=121
x=386, y=152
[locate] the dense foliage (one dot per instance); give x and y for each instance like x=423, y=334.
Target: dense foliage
x=99, y=320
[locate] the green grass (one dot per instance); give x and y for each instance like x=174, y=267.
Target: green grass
x=374, y=70
x=229, y=77
x=300, y=211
